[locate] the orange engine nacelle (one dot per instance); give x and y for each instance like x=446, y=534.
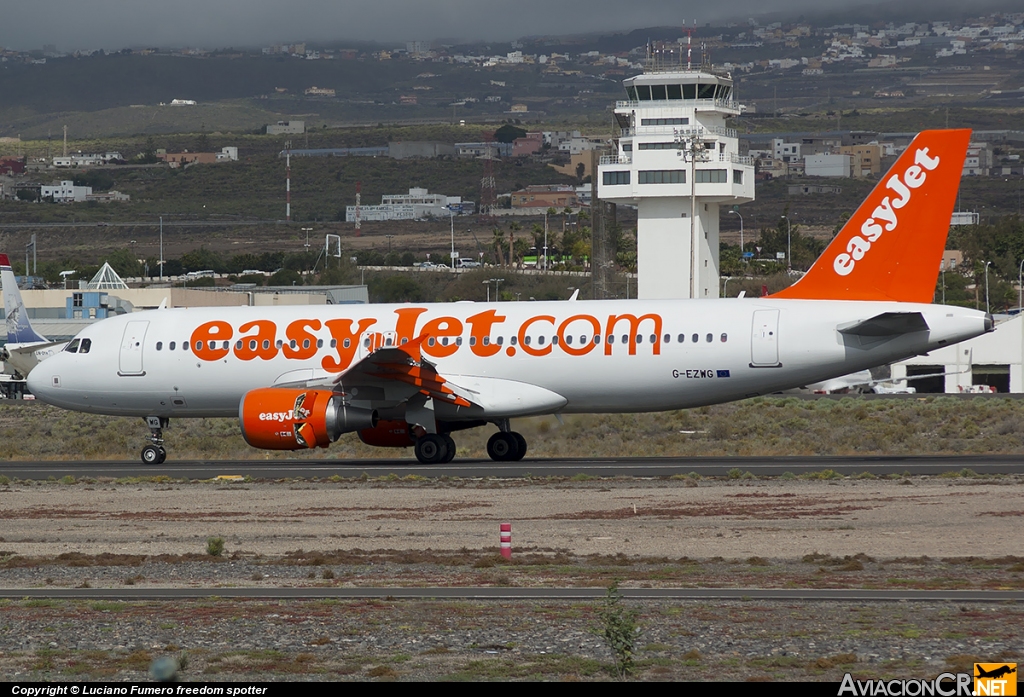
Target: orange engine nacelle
x=388, y=434
x=278, y=418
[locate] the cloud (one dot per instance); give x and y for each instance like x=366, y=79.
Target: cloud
x=115, y=24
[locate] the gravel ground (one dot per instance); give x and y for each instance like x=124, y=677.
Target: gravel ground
x=924, y=532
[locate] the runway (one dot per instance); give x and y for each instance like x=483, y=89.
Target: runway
x=879, y=466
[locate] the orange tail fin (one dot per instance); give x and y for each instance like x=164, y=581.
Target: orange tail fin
x=891, y=248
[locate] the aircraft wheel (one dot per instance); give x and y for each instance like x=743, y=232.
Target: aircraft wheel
x=163, y=456
x=431, y=449
x=449, y=444
x=151, y=455
x=520, y=445
x=503, y=447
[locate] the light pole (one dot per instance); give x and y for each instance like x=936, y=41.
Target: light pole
x=789, y=244
x=161, y=248
x=451, y=214
x=988, y=309
x=1020, y=288
x=741, y=233
x=497, y=284
x=307, y=230
x=389, y=242
x=545, y=240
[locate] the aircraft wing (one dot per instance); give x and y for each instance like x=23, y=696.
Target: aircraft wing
x=399, y=371
x=386, y=377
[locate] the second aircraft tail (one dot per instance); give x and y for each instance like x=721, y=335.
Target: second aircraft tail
x=19, y=329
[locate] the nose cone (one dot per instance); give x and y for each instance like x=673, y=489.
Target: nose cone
x=45, y=383
x=40, y=382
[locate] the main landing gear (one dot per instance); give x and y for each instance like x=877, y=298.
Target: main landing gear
x=154, y=453
x=435, y=448
x=504, y=446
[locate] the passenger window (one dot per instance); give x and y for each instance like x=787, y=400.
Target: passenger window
x=444, y=341
x=611, y=339
x=294, y=343
x=266, y=344
x=554, y=339
x=625, y=339
x=725, y=337
x=430, y=341
x=710, y=338
x=279, y=343
x=597, y=338
x=681, y=338
x=159, y=345
x=639, y=339
x=654, y=338
x=184, y=346
x=252, y=344
x=319, y=343
x=458, y=341
x=238, y=345
x=212, y=344
x=667, y=339
x=227, y=345
x=696, y=338
x=501, y=340
x=334, y=343
x=170, y=346
x=512, y=340
x=568, y=340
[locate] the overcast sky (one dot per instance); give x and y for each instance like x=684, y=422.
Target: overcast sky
x=115, y=24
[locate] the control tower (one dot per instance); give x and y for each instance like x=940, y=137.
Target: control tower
x=678, y=164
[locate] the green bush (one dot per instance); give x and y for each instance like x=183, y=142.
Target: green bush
x=215, y=546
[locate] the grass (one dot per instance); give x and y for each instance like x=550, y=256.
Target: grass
x=833, y=427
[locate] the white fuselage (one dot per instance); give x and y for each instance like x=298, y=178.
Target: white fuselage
x=730, y=349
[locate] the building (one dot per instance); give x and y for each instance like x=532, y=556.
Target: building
x=828, y=165
x=678, y=163
x=417, y=204
x=993, y=360
x=528, y=145
x=65, y=192
x=183, y=159
x=401, y=150
x=867, y=159
x=545, y=196
x=315, y=91
x=284, y=127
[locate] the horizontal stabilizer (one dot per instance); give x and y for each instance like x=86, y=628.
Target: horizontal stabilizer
x=888, y=324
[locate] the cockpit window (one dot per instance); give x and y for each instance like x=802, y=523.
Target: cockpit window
x=85, y=346
x=72, y=347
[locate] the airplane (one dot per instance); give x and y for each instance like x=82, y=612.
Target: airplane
x=25, y=347
x=413, y=374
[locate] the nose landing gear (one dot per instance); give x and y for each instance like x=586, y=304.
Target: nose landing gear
x=154, y=453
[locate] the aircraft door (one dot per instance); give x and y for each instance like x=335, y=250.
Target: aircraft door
x=764, y=341
x=132, y=343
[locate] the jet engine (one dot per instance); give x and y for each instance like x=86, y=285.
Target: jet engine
x=388, y=434
x=278, y=418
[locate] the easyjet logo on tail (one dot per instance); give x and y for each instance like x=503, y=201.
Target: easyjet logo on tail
x=886, y=212
x=891, y=247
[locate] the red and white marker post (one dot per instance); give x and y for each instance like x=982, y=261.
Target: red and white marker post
x=506, y=540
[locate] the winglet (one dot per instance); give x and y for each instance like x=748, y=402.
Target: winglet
x=891, y=248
